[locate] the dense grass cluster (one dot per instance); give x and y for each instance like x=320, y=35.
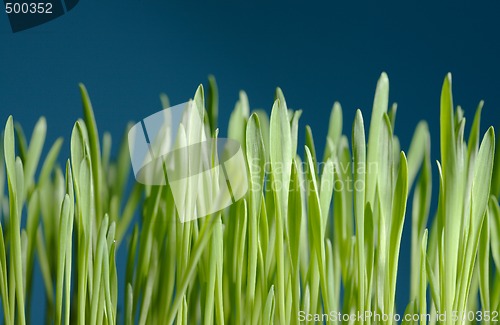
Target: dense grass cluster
x=302, y=239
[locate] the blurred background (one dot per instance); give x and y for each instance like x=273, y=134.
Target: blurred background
x=128, y=52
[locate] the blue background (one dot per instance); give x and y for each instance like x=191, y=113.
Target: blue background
x=127, y=52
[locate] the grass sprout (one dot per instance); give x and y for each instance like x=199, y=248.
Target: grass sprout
x=312, y=236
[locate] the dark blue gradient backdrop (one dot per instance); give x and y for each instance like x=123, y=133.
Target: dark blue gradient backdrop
x=127, y=52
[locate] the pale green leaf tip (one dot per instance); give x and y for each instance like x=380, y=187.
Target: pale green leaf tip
x=387, y=121
x=358, y=118
x=448, y=78
x=480, y=105
x=359, y=114
x=491, y=132
x=42, y=121
x=384, y=77
x=254, y=118
x=199, y=91
x=83, y=89
x=308, y=156
x=403, y=155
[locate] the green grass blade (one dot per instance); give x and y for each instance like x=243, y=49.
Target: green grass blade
x=281, y=159
x=452, y=190
x=420, y=214
x=16, y=189
x=316, y=225
x=212, y=275
x=392, y=115
x=495, y=183
x=240, y=251
x=97, y=298
x=49, y=162
x=32, y=222
x=484, y=265
x=494, y=214
x=473, y=143
x=146, y=303
x=238, y=121
x=268, y=314
x=128, y=212
x=480, y=195
x=447, y=121
x=312, y=148
x=422, y=294
x=212, y=103
x=3, y=279
x=265, y=129
x=122, y=165
x=61, y=256
x=22, y=144
x=396, y=229
x=256, y=166
x=380, y=105
x=326, y=192
x=44, y=266
x=420, y=146
x=294, y=129
x=370, y=235
x=294, y=236
x=95, y=151
x=359, y=156
x=334, y=131
x=494, y=221
x=34, y=152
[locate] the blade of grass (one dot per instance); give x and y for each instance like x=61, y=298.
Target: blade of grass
x=256, y=166
x=294, y=230
x=384, y=206
x=396, y=230
x=494, y=214
x=15, y=184
x=359, y=155
x=315, y=222
x=34, y=152
x=495, y=183
x=95, y=151
x=294, y=129
x=422, y=294
x=268, y=314
x=334, y=131
x=380, y=105
x=281, y=158
x=61, y=256
x=484, y=266
x=451, y=191
x=32, y=222
x=212, y=103
x=3, y=279
x=420, y=206
x=44, y=266
x=97, y=298
x=480, y=196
